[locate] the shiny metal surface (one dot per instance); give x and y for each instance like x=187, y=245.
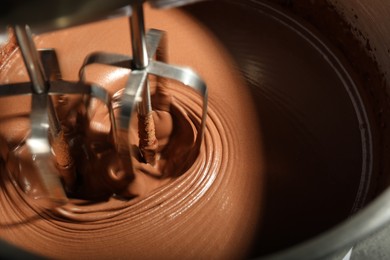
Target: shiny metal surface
x=189, y=78
x=140, y=54
x=42, y=119
x=371, y=219
x=40, y=149
x=31, y=59
x=133, y=89
x=51, y=69
x=137, y=31
x=44, y=123
x=171, y=3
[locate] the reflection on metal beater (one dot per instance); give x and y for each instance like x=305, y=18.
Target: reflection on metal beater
x=43, y=115
x=46, y=80
x=136, y=92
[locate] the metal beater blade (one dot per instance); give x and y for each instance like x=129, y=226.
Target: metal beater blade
x=45, y=75
x=145, y=48
x=42, y=118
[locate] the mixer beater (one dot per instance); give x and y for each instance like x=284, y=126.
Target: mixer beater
x=46, y=139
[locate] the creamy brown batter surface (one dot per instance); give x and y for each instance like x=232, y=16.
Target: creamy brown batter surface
x=201, y=208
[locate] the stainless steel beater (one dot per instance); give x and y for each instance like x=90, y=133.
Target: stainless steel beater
x=145, y=47
x=45, y=81
x=42, y=65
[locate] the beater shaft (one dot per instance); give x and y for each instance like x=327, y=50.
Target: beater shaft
x=146, y=129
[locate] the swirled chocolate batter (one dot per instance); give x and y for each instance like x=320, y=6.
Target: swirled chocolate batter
x=201, y=208
x=315, y=135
